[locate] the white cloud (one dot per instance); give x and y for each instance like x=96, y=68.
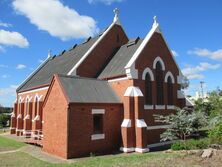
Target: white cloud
x=215, y=55
x=174, y=53
x=195, y=72
x=12, y=38
x=5, y=24
x=20, y=66
x=8, y=95
x=55, y=18
x=9, y=90
x=106, y=2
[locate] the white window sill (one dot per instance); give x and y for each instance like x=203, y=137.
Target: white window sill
x=159, y=107
x=171, y=107
x=97, y=136
x=148, y=107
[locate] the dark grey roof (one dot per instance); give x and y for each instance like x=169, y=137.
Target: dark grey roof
x=88, y=90
x=116, y=65
x=61, y=64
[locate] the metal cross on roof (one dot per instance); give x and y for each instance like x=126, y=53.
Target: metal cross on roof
x=155, y=19
x=116, y=12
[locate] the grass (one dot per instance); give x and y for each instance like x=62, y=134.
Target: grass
x=9, y=144
x=152, y=159
x=129, y=160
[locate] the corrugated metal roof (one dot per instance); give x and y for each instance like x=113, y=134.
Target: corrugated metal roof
x=88, y=90
x=116, y=66
x=61, y=64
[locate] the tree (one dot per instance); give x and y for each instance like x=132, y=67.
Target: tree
x=182, y=124
x=4, y=118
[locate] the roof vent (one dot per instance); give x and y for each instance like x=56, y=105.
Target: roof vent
x=74, y=46
x=87, y=40
x=132, y=41
x=62, y=52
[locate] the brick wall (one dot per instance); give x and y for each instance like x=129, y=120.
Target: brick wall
x=81, y=129
x=104, y=51
x=55, y=122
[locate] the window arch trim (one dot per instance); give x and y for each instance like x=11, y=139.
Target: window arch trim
x=148, y=70
x=169, y=74
x=158, y=59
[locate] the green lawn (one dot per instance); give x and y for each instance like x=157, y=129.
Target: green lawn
x=129, y=160
x=152, y=159
x=9, y=144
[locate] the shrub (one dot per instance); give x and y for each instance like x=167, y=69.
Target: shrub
x=182, y=124
x=191, y=144
x=215, y=134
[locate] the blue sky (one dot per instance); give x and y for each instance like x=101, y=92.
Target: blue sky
x=29, y=28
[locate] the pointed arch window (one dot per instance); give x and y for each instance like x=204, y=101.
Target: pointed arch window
x=148, y=89
x=169, y=91
x=159, y=83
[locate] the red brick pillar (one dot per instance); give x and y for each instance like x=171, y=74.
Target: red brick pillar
x=128, y=125
x=37, y=121
x=13, y=119
x=20, y=116
x=141, y=126
x=27, y=124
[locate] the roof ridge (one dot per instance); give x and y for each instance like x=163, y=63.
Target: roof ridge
x=78, y=77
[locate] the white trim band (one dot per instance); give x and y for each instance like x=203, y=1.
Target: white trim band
x=157, y=127
x=97, y=136
x=27, y=117
x=98, y=111
x=171, y=107
x=19, y=116
x=142, y=150
x=118, y=79
x=126, y=123
x=127, y=150
x=148, y=107
x=140, y=123
x=34, y=90
x=133, y=91
x=159, y=107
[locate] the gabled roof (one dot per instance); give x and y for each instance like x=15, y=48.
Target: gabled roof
x=116, y=66
x=61, y=64
x=87, y=90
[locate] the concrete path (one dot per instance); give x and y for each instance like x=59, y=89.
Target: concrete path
x=39, y=154
x=11, y=151
x=34, y=151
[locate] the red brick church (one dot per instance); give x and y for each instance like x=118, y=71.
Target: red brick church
x=101, y=95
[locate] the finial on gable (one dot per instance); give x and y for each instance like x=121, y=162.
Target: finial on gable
x=49, y=53
x=155, y=23
x=116, y=17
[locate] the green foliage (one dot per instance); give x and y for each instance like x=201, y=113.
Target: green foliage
x=191, y=144
x=4, y=118
x=212, y=106
x=215, y=134
x=182, y=124
x=5, y=110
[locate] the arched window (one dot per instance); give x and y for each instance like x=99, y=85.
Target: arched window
x=159, y=83
x=148, y=89
x=169, y=91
